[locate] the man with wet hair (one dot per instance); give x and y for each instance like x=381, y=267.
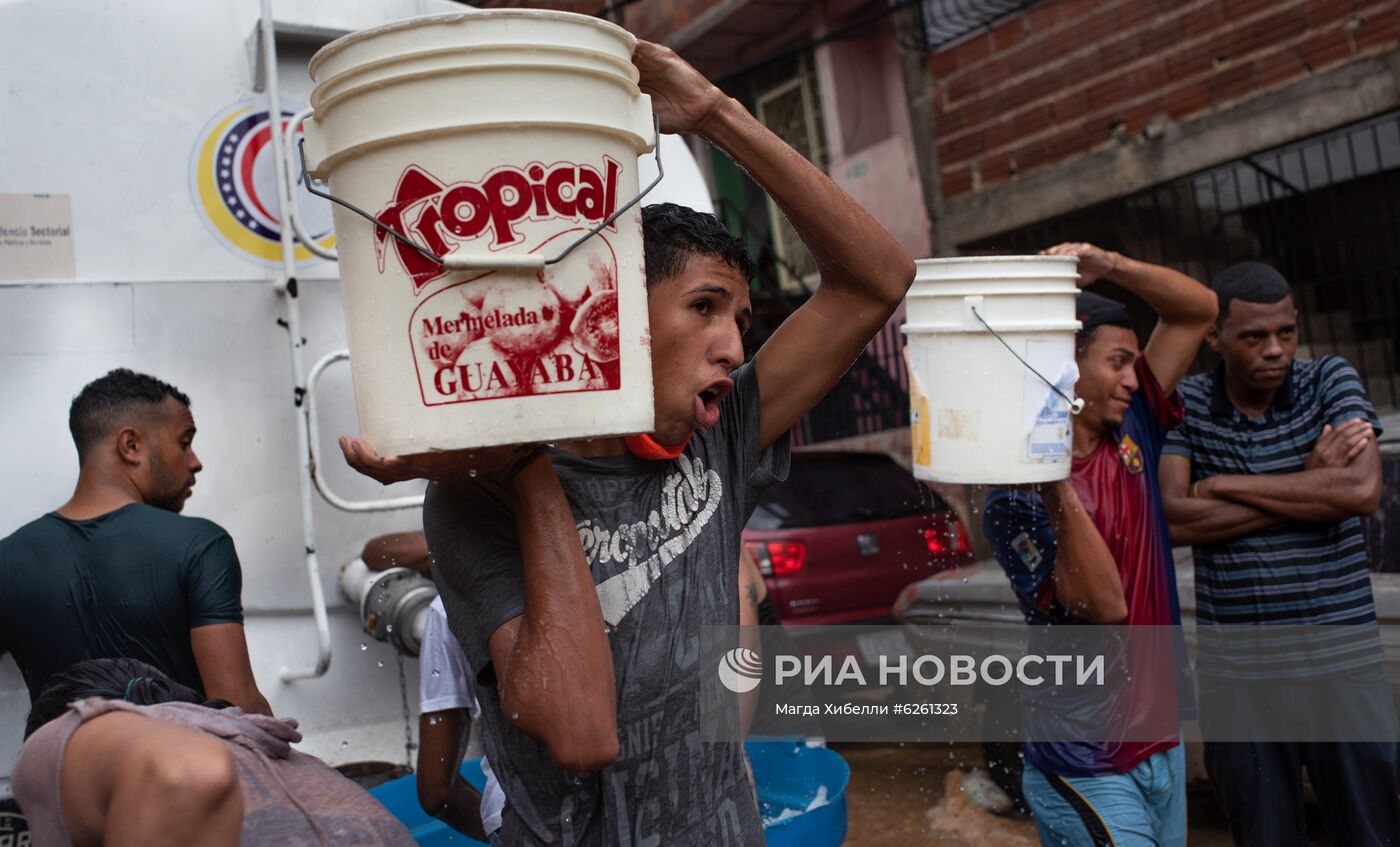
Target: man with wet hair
x=1094, y=549
x=581, y=579
x=117, y=572
x=1267, y=479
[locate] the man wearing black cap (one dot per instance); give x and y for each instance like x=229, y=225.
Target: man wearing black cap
x=1095, y=549
x=1267, y=479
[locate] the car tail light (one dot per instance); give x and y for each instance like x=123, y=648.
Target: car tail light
x=946, y=539
x=786, y=557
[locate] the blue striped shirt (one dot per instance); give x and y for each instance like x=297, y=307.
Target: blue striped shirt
x=1294, y=572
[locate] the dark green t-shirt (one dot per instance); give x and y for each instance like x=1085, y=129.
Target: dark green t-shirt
x=129, y=584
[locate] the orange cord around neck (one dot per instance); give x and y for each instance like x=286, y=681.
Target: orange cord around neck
x=648, y=448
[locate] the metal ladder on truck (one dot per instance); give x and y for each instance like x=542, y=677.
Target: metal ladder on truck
x=304, y=381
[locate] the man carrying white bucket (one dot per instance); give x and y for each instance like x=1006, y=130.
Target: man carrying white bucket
x=1095, y=549
x=590, y=676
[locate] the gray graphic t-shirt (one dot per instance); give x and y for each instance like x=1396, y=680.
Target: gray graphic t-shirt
x=662, y=540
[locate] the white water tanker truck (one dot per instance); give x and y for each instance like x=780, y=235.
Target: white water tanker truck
x=151, y=218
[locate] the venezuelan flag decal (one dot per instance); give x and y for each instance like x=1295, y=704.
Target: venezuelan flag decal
x=233, y=185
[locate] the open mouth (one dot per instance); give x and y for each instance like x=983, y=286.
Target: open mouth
x=707, y=402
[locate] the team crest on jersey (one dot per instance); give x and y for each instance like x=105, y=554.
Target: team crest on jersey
x=1131, y=455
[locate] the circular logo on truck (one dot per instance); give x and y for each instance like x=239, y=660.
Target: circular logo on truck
x=741, y=670
x=234, y=185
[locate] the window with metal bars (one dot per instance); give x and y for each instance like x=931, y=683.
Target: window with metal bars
x=792, y=110
x=1325, y=211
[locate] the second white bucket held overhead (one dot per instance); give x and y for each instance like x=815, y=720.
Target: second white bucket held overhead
x=990, y=350
x=494, y=140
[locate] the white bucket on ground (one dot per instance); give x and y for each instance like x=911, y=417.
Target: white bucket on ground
x=494, y=139
x=979, y=415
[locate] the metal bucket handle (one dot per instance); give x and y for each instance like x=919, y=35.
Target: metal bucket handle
x=510, y=261
x=1076, y=404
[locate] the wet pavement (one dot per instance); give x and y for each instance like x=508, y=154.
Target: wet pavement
x=907, y=795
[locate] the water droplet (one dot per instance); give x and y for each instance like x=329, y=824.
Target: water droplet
x=363, y=647
x=389, y=628
x=471, y=472
x=436, y=673
x=380, y=663
x=344, y=744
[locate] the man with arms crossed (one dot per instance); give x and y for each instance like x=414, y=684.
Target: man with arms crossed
x=1267, y=479
x=588, y=653
x=1094, y=549
x=117, y=572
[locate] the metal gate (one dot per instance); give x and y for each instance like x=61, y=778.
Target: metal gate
x=1325, y=211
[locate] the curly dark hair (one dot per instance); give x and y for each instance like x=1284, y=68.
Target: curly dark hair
x=671, y=234
x=1252, y=282
x=102, y=403
x=111, y=679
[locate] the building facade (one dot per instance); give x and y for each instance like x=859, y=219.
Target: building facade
x=1194, y=133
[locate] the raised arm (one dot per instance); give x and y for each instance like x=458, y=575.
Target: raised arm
x=865, y=273
x=1185, y=308
x=1341, y=479
x=1198, y=520
x=1087, y=583
x=553, y=663
x=558, y=644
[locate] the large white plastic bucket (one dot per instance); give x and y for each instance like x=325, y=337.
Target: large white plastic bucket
x=494, y=139
x=979, y=414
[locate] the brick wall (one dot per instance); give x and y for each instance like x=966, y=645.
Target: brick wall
x=1070, y=76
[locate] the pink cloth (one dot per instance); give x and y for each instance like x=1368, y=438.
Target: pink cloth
x=289, y=798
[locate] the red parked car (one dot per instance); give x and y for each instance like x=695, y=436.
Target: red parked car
x=846, y=533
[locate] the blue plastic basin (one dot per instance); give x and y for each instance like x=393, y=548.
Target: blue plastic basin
x=789, y=776
x=788, y=773
x=400, y=797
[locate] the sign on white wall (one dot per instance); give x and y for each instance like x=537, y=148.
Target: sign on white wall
x=36, y=236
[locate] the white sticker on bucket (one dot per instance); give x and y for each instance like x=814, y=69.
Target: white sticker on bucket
x=1045, y=413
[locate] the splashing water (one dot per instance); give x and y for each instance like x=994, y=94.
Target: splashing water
x=788, y=812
